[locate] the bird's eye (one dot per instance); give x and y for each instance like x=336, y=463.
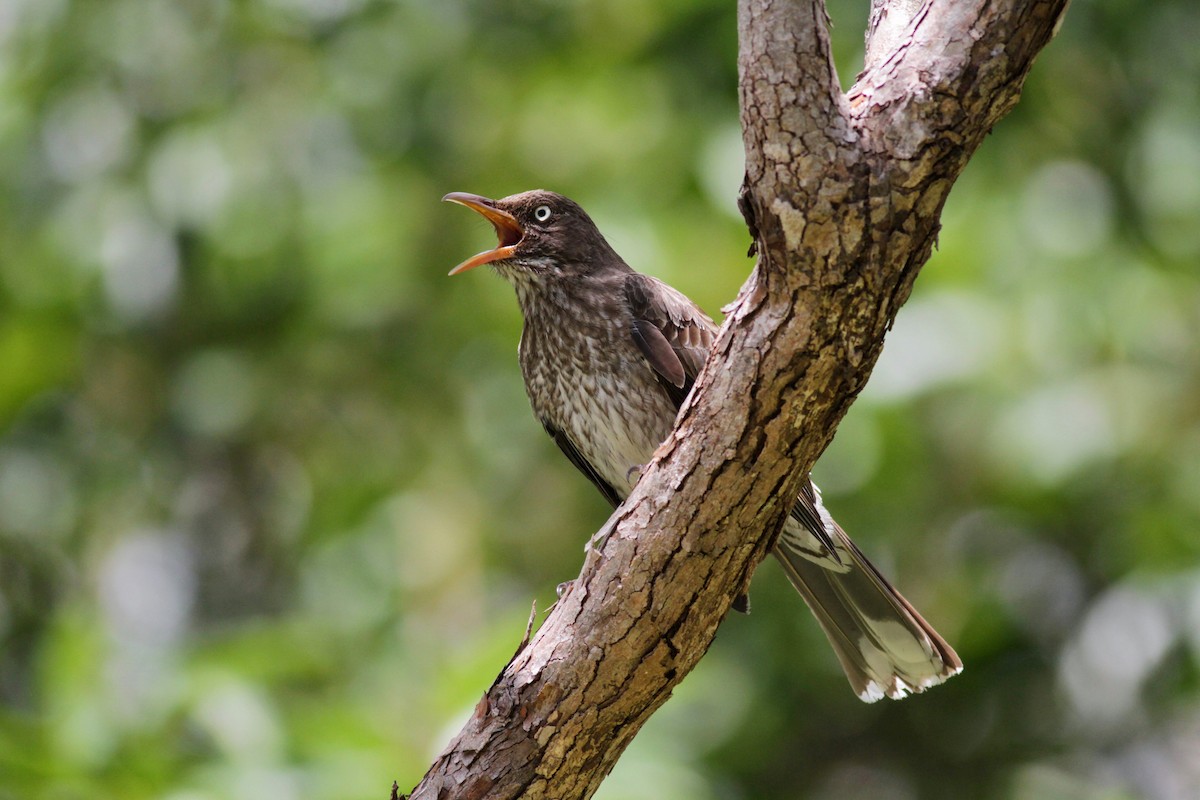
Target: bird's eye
x=542, y=213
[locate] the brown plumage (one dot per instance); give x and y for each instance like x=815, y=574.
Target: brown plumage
x=608, y=356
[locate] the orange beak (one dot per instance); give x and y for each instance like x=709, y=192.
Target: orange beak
x=508, y=231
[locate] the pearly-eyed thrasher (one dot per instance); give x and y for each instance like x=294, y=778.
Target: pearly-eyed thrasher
x=609, y=355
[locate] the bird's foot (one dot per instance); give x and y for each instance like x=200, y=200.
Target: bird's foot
x=634, y=473
x=600, y=538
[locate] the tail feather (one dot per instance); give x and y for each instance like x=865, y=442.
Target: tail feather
x=886, y=648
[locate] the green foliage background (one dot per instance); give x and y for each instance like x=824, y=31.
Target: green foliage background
x=272, y=506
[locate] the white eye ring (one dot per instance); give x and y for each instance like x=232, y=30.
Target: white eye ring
x=542, y=213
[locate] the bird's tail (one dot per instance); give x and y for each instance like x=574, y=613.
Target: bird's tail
x=885, y=647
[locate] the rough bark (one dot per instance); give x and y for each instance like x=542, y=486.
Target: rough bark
x=843, y=193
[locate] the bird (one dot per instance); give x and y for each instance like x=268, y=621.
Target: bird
x=608, y=356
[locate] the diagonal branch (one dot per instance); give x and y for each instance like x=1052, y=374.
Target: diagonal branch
x=846, y=194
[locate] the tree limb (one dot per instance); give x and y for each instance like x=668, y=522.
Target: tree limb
x=885, y=28
x=846, y=191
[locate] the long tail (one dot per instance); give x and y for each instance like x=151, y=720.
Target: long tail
x=885, y=647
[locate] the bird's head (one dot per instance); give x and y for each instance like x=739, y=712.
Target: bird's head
x=541, y=235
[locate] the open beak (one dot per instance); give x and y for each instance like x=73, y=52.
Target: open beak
x=508, y=231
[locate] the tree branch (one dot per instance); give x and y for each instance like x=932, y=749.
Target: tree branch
x=787, y=84
x=885, y=28
x=846, y=192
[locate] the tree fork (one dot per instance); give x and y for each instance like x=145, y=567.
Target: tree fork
x=845, y=192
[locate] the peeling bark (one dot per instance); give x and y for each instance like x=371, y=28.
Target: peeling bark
x=844, y=192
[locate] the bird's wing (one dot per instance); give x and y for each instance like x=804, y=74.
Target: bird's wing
x=582, y=464
x=671, y=332
x=674, y=335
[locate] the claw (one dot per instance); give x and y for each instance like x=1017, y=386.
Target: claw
x=600, y=538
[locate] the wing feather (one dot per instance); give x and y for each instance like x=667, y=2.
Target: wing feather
x=670, y=331
x=582, y=464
